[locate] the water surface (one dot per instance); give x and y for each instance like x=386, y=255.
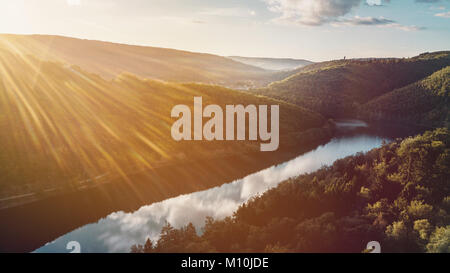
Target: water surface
x=119, y=230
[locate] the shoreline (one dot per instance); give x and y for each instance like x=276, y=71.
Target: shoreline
x=35, y=223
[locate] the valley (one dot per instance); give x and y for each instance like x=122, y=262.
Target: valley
x=85, y=133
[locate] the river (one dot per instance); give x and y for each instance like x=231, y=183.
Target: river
x=119, y=230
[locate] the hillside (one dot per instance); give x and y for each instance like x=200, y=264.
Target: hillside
x=426, y=102
x=60, y=125
x=272, y=63
x=110, y=60
x=339, y=88
x=397, y=195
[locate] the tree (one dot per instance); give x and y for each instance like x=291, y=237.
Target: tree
x=423, y=227
x=340, y=208
x=148, y=247
x=137, y=249
x=440, y=240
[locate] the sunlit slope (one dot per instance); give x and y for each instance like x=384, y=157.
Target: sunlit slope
x=426, y=102
x=60, y=124
x=110, y=59
x=338, y=88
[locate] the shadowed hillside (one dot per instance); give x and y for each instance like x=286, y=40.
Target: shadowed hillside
x=338, y=88
x=426, y=102
x=110, y=59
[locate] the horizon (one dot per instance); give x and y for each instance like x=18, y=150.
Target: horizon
x=310, y=30
x=226, y=56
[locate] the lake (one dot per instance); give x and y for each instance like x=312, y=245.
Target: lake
x=119, y=230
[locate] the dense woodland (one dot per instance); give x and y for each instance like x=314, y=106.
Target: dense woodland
x=60, y=125
x=398, y=195
x=339, y=88
x=426, y=102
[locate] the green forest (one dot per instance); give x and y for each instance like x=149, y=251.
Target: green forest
x=397, y=194
x=68, y=125
x=425, y=102
x=341, y=88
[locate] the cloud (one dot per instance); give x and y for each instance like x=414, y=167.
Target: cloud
x=372, y=21
x=427, y=1
x=320, y=12
x=443, y=14
x=437, y=8
x=405, y=28
x=365, y=21
x=311, y=12
x=374, y=2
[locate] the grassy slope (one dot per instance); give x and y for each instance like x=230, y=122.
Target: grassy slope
x=338, y=88
x=110, y=59
x=426, y=102
x=60, y=124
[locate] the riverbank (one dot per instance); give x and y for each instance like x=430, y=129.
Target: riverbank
x=33, y=224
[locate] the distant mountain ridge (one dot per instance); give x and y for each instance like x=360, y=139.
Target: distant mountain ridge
x=109, y=60
x=276, y=64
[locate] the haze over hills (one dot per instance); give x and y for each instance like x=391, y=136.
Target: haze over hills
x=339, y=88
x=272, y=63
x=111, y=59
x=60, y=124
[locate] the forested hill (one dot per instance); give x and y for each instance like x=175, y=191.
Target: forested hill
x=426, y=102
x=111, y=59
x=339, y=88
x=398, y=195
x=60, y=125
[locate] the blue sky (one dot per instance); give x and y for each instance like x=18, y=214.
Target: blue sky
x=311, y=29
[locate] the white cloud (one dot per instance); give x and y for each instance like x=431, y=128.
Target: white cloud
x=427, y=1
x=373, y=21
x=374, y=2
x=365, y=21
x=320, y=12
x=443, y=14
x=311, y=12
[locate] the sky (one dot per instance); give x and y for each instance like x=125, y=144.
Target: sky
x=316, y=30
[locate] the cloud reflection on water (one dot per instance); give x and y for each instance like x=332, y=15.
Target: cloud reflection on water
x=119, y=230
